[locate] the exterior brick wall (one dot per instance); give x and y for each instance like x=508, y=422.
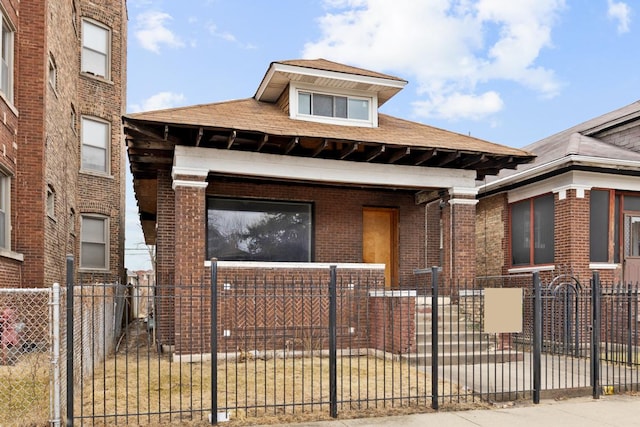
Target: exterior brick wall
x=393, y=326
x=262, y=308
x=338, y=219
x=165, y=259
x=572, y=232
x=41, y=143
x=491, y=231
x=459, y=241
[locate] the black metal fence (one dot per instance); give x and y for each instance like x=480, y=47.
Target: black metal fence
x=329, y=344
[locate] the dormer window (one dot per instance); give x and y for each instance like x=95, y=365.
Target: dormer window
x=318, y=104
x=330, y=108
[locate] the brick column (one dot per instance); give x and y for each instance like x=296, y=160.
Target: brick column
x=190, y=227
x=165, y=259
x=571, y=237
x=459, y=235
x=192, y=319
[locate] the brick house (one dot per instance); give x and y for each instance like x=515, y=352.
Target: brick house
x=308, y=157
x=62, y=85
x=576, y=205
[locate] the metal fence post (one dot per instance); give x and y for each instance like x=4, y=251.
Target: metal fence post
x=434, y=338
x=537, y=337
x=333, y=390
x=214, y=341
x=595, y=334
x=69, y=320
x=55, y=355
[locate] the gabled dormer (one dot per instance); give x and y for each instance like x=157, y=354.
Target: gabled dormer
x=327, y=92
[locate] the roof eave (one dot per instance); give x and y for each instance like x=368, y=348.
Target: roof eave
x=545, y=168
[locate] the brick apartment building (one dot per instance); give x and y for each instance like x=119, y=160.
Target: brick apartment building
x=62, y=95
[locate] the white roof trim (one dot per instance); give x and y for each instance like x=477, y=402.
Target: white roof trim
x=554, y=164
x=244, y=163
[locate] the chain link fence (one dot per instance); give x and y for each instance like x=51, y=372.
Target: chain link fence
x=25, y=362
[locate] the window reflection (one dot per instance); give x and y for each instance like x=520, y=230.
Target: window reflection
x=257, y=230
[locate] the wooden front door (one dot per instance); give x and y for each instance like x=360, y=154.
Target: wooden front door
x=632, y=248
x=380, y=241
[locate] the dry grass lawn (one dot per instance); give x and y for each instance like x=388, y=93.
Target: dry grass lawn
x=24, y=391
x=254, y=390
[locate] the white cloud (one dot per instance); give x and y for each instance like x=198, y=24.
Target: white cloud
x=621, y=12
x=450, y=47
x=460, y=106
x=160, y=101
x=227, y=36
x=151, y=31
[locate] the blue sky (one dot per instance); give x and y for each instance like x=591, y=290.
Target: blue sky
x=510, y=72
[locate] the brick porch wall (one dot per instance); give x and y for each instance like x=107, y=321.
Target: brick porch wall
x=283, y=308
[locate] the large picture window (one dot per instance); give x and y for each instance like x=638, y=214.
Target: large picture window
x=532, y=231
x=258, y=230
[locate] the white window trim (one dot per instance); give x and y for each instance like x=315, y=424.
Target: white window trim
x=51, y=202
x=107, y=75
x=52, y=75
x=3, y=15
x=106, y=223
x=5, y=194
x=107, y=171
x=295, y=88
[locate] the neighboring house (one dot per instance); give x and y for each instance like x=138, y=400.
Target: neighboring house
x=62, y=83
x=577, y=206
x=307, y=171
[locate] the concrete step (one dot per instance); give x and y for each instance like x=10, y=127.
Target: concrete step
x=453, y=336
x=445, y=326
x=453, y=346
x=428, y=301
x=443, y=316
x=464, y=358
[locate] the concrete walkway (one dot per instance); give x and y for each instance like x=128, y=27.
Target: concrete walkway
x=616, y=410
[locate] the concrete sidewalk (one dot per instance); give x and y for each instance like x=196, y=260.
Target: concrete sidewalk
x=616, y=410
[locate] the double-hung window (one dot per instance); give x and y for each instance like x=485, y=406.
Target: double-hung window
x=258, y=230
x=96, y=40
x=6, y=59
x=95, y=145
x=93, y=242
x=532, y=231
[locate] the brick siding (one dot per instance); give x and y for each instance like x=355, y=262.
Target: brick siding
x=41, y=145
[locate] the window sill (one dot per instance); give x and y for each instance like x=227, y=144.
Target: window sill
x=6, y=253
x=6, y=100
x=93, y=270
x=96, y=174
x=301, y=265
x=96, y=77
x=531, y=269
